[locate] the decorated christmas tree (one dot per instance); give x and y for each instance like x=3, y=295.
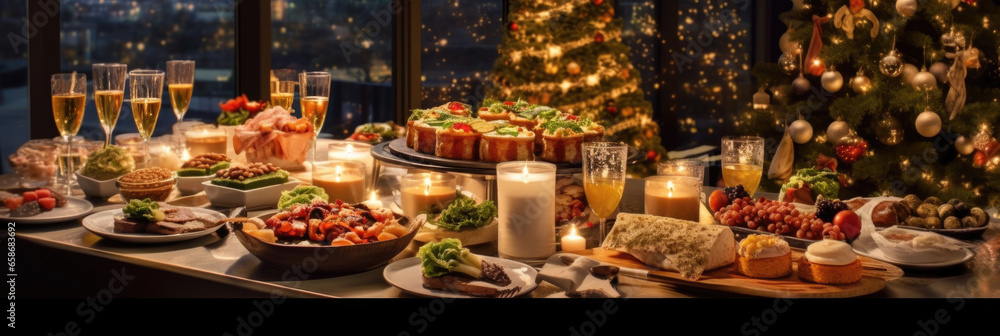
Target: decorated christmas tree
x=903, y=94
x=570, y=55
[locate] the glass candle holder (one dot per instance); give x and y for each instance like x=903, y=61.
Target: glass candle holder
x=354, y=151
x=343, y=180
x=204, y=139
x=682, y=167
x=673, y=196
x=422, y=191
x=526, y=209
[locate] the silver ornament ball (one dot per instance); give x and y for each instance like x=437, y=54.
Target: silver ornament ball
x=832, y=80
x=891, y=65
x=940, y=71
x=928, y=123
x=789, y=63
x=924, y=80
x=964, y=145
x=801, y=85
x=906, y=8
x=889, y=131
x=837, y=131
x=801, y=131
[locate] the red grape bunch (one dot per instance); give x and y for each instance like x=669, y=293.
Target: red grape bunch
x=776, y=217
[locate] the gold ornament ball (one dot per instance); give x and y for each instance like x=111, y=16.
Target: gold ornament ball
x=891, y=65
x=906, y=8
x=964, y=145
x=832, y=80
x=909, y=70
x=861, y=83
x=889, y=131
x=628, y=112
x=788, y=62
x=837, y=131
x=551, y=69
x=573, y=68
x=924, y=80
x=940, y=71
x=801, y=131
x=928, y=123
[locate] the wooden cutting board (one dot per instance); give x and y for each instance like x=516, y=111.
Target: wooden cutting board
x=875, y=275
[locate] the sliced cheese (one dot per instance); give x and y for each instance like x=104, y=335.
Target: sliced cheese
x=689, y=248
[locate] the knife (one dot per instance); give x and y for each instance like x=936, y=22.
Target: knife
x=645, y=275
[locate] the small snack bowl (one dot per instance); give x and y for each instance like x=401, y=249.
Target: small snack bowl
x=153, y=183
x=257, y=198
x=96, y=188
x=192, y=184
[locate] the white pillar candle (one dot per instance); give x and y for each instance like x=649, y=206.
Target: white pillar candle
x=526, y=205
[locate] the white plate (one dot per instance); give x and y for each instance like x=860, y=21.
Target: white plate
x=75, y=208
x=871, y=250
x=103, y=224
x=407, y=275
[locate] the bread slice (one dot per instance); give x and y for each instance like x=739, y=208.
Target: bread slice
x=689, y=248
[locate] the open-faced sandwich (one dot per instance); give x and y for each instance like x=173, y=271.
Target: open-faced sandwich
x=448, y=266
x=462, y=219
x=148, y=216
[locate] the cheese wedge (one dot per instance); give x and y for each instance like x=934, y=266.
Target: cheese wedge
x=689, y=248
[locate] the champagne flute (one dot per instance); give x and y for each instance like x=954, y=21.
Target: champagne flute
x=109, y=91
x=69, y=97
x=145, y=91
x=314, y=96
x=743, y=161
x=604, y=179
x=283, y=88
x=180, y=85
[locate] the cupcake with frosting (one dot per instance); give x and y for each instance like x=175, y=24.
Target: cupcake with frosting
x=763, y=256
x=831, y=262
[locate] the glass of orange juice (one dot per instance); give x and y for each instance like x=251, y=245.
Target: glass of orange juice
x=604, y=179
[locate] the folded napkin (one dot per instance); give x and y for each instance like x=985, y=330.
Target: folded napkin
x=575, y=278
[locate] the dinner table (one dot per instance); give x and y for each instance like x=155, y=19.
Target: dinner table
x=64, y=256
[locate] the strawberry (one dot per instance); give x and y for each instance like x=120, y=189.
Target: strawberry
x=47, y=203
x=30, y=196
x=13, y=202
x=572, y=117
x=43, y=193
x=508, y=103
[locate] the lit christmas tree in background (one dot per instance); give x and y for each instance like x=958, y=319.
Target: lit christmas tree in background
x=570, y=55
x=904, y=93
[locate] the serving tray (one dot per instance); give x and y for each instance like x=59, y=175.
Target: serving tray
x=875, y=275
x=396, y=152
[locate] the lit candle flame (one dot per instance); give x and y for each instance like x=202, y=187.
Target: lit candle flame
x=338, y=170
x=670, y=189
x=374, y=197
x=427, y=186
x=349, y=149
x=525, y=170
x=572, y=231
x=185, y=155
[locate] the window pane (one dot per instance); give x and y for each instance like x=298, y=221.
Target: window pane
x=145, y=34
x=350, y=39
x=13, y=82
x=458, y=44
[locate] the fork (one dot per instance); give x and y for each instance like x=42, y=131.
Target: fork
x=507, y=293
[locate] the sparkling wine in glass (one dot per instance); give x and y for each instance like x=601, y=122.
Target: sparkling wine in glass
x=109, y=92
x=283, y=88
x=314, y=93
x=145, y=91
x=743, y=161
x=69, y=97
x=604, y=179
x=180, y=85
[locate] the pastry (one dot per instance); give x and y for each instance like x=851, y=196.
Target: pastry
x=689, y=248
x=457, y=140
x=830, y=262
x=562, y=141
x=507, y=143
x=763, y=256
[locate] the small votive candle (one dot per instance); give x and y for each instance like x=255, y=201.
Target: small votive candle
x=341, y=180
x=682, y=167
x=373, y=202
x=673, y=196
x=205, y=139
x=422, y=191
x=573, y=242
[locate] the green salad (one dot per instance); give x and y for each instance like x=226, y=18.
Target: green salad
x=464, y=214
